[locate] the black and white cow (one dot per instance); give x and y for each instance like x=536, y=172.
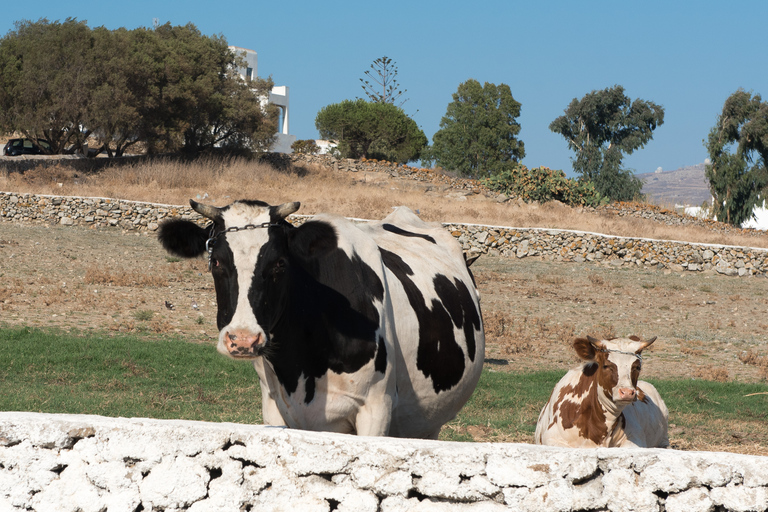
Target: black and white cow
x=373, y=329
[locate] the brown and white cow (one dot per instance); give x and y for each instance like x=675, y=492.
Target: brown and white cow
x=602, y=403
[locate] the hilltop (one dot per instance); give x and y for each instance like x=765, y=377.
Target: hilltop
x=683, y=186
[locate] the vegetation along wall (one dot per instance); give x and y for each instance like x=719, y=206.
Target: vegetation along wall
x=560, y=245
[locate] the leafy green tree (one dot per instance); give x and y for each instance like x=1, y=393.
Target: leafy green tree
x=48, y=73
x=739, y=180
x=601, y=128
x=371, y=130
x=478, y=134
x=119, y=94
x=383, y=86
x=170, y=87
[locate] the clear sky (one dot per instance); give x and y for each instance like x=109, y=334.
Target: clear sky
x=686, y=56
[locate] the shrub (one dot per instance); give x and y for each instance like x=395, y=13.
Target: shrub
x=305, y=147
x=544, y=184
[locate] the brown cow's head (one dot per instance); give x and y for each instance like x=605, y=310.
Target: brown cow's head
x=618, y=362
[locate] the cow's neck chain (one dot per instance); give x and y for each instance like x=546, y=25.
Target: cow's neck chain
x=213, y=236
x=640, y=357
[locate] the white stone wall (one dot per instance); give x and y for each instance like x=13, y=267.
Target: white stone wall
x=93, y=464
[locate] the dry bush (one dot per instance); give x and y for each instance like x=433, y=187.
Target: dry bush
x=54, y=295
x=516, y=335
x=596, y=279
x=753, y=358
x=692, y=348
x=219, y=181
x=712, y=373
x=550, y=279
x=122, y=278
x=45, y=176
x=601, y=332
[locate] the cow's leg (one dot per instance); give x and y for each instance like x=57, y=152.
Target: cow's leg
x=375, y=417
x=270, y=411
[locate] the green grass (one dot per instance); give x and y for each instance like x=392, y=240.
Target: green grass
x=133, y=376
x=124, y=376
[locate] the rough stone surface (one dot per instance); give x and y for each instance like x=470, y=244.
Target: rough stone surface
x=553, y=244
x=92, y=463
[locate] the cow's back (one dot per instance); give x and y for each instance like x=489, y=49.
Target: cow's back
x=440, y=341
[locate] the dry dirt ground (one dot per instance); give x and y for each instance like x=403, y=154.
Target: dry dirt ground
x=708, y=326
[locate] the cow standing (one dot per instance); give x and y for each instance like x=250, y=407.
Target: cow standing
x=602, y=403
x=372, y=329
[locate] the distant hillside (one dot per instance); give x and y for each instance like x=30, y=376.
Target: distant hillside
x=683, y=186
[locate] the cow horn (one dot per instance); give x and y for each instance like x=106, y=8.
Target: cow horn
x=207, y=211
x=285, y=209
x=649, y=342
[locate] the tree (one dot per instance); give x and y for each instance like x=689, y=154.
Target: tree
x=169, y=87
x=478, y=134
x=371, y=130
x=601, y=128
x=384, y=88
x=738, y=181
x=47, y=79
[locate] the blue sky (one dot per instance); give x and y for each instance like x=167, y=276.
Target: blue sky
x=686, y=56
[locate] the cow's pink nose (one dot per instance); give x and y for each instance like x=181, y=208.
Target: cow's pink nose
x=243, y=344
x=626, y=394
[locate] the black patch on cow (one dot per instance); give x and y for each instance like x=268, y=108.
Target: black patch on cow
x=224, y=281
x=182, y=238
x=317, y=303
x=381, y=357
x=309, y=390
x=400, y=231
x=439, y=356
x=457, y=299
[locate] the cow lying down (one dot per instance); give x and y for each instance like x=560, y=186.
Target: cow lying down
x=602, y=403
x=371, y=329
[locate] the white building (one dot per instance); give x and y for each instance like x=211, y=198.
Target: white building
x=278, y=96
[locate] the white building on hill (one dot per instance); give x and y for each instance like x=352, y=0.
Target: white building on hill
x=278, y=96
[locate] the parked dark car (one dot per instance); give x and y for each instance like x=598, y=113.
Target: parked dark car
x=16, y=147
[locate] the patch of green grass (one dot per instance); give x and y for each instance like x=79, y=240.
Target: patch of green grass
x=503, y=403
x=131, y=376
x=124, y=376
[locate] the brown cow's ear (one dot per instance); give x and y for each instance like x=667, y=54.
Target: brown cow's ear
x=586, y=348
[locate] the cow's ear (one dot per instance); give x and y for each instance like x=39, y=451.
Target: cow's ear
x=312, y=239
x=182, y=238
x=586, y=348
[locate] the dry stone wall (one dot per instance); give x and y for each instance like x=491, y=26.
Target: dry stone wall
x=560, y=245
x=92, y=464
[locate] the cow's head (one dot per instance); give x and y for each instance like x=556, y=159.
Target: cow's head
x=617, y=365
x=246, y=244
